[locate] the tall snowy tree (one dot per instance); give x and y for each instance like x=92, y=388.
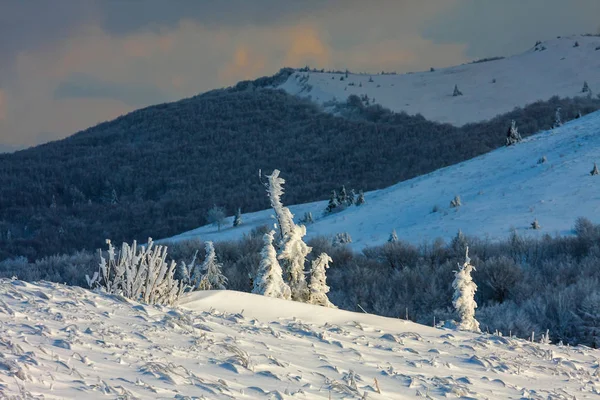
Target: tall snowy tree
x=269, y=278
x=343, y=197
x=513, y=136
x=464, y=296
x=293, y=257
x=586, y=87
x=333, y=202
x=237, y=220
x=285, y=219
x=351, y=197
x=557, y=118
x=212, y=278
x=360, y=199
x=318, y=288
x=393, y=237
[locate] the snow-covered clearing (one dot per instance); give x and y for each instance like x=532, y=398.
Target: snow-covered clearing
x=66, y=342
x=551, y=68
x=505, y=189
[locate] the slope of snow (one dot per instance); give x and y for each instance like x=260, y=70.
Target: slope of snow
x=66, y=342
x=503, y=190
x=560, y=69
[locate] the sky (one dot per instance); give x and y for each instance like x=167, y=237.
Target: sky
x=66, y=65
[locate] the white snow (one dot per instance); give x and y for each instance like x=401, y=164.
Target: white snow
x=559, y=70
x=503, y=190
x=66, y=342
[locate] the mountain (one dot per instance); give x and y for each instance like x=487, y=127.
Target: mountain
x=67, y=342
x=492, y=86
x=546, y=177
x=157, y=171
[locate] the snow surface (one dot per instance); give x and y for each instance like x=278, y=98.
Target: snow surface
x=66, y=342
x=502, y=190
x=560, y=69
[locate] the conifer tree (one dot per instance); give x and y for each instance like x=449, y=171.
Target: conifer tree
x=285, y=219
x=586, y=87
x=393, y=237
x=513, y=135
x=535, y=224
x=360, y=199
x=343, y=197
x=464, y=296
x=237, y=220
x=351, y=197
x=456, y=91
x=318, y=288
x=594, y=170
x=269, y=279
x=293, y=257
x=212, y=278
x=333, y=202
x=557, y=118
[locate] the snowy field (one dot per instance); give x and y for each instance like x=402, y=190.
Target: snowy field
x=503, y=190
x=62, y=342
x=489, y=88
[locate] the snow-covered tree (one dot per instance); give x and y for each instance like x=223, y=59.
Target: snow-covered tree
x=456, y=91
x=535, y=224
x=594, y=170
x=341, y=239
x=212, y=278
x=513, y=136
x=464, y=296
x=318, y=288
x=285, y=219
x=216, y=216
x=307, y=218
x=269, y=278
x=343, y=197
x=557, y=118
x=393, y=237
x=237, y=220
x=360, y=199
x=333, y=202
x=586, y=87
x=293, y=257
x=140, y=273
x=351, y=197
x=456, y=202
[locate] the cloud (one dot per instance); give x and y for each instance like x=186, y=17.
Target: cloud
x=85, y=86
x=3, y=105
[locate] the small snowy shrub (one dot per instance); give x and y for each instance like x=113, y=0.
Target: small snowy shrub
x=456, y=91
x=139, y=273
x=318, y=288
x=456, y=202
x=269, y=278
x=341, y=239
x=535, y=224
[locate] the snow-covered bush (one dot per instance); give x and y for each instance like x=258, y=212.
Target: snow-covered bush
x=341, y=239
x=535, y=224
x=318, y=288
x=140, y=273
x=456, y=91
x=557, y=118
x=209, y=275
x=464, y=296
x=360, y=199
x=393, y=237
x=594, y=170
x=307, y=218
x=269, y=278
x=216, y=216
x=513, y=136
x=455, y=202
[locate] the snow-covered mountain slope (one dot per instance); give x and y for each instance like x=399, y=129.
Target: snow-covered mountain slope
x=66, y=342
x=554, y=67
x=500, y=191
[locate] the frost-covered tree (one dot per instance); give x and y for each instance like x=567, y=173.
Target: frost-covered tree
x=216, y=216
x=351, y=197
x=456, y=202
x=456, y=91
x=237, y=219
x=333, y=202
x=585, y=88
x=594, y=170
x=393, y=237
x=341, y=239
x=360, y=199
x=343, y=197
x=212, y=278
x=293, y=257
x=318, y=288
x=464, y=296
x=307, y=218
x=557, y=118
x=513, y=136
x=269, y=278
x=184, y=271
x=285, y=219
x=535, y=224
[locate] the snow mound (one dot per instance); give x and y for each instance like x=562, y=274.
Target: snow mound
x=552, y=68
x=545, y=177
x=66, y=342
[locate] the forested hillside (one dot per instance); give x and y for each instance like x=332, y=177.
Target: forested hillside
x=157, y=171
